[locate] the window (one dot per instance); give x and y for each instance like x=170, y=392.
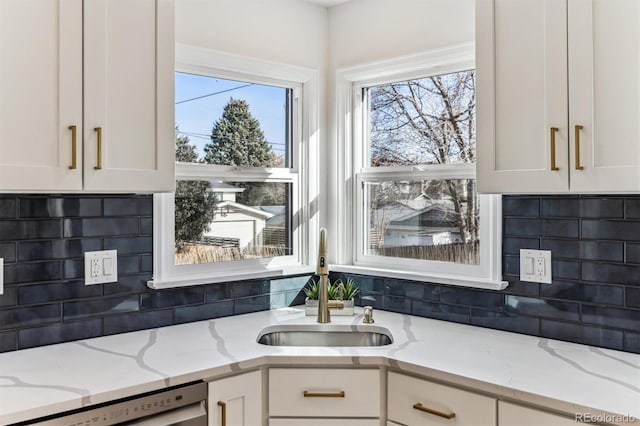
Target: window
x=416, y=212
x=238, y=210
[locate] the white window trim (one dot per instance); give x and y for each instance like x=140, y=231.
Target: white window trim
x=488, y=274
x=210, y=62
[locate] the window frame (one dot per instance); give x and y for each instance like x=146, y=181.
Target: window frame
x=303, y=175
x=353, y=170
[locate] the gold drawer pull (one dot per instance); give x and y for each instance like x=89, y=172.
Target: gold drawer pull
x=553, y=148
x=308, y=394
x=419, y=406
x=223, y=413
x=99, y=166
x=74, y=143
x=577, y=134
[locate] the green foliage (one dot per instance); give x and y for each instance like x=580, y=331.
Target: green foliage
x=333, y=289
x=193, y=200
x=312, y=290
x=184, y=150
x=262, y=194
x=350, y=290
x=237, y=140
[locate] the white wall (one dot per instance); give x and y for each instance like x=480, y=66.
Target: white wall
x=287, y=31
x=362, y=31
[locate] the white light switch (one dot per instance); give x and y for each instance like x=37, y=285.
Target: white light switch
x=535, y=266
x=1, y=275
x=100, y=267
x=107, y=264
x=528, y=265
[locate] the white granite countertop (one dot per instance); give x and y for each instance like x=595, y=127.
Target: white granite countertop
x=558, y=375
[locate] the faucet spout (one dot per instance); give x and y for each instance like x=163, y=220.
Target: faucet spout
x=324, y=316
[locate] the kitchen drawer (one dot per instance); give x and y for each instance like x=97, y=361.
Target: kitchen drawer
x=360, y=390
x=516, y=415
x=324, y=422
x=469, y=408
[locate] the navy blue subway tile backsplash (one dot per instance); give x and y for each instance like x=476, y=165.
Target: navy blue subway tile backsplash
x=595, y=295
x=42, y=241
x=594, y=298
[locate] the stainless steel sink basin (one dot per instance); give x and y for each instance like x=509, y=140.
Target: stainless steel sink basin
x=324, y=335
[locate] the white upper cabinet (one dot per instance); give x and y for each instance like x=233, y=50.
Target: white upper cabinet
x=604, y=87
x=558, y=95
x=128, y=83
x=124, y=121
x=40, y=94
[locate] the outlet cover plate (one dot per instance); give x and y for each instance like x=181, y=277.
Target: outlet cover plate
x=535, y=266
x=94, y=270
x=1, y=275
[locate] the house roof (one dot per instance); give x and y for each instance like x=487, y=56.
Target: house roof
x=217, y=186
x=250, y=210
x=277, y=212
x=403, y=210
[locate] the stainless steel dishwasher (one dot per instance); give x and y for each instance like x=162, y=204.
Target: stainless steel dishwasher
x=179, y=406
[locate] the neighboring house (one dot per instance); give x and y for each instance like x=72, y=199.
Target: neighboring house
x=417, y=222
x=235, y=221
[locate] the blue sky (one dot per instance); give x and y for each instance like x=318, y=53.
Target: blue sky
x=195, y=118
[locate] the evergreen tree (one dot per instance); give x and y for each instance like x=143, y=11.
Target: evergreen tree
x=193, y=199
x=237, y=140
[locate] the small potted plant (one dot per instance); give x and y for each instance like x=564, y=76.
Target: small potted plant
x=337, y=290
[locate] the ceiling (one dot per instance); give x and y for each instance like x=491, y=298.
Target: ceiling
x=327, y=3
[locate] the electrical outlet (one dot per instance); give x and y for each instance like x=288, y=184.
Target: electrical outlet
x=96, y=267
x=100, y=267
x=535, y=266
x=540, y=266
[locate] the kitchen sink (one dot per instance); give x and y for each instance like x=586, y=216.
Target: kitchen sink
x=324, y=335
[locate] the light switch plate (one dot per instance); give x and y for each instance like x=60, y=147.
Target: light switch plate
x=100, y=267
x=535, y=266
x=1, y=275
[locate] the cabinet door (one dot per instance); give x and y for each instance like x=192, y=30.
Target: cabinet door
x=515, y=415
x=242, y=396
x=324, y=422
x=414, y=402
x=521, y=60
x=128, y=84
x=324, y=392
x=40, y=94
x=604, y=75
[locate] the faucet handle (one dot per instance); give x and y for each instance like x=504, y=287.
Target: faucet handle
x=368, y=315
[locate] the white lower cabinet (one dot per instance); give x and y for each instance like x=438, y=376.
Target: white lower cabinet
x=516, y=415
x=238, y=398
x=353, y=397
x=324, y=422
x=339, y=393
x=413, y=401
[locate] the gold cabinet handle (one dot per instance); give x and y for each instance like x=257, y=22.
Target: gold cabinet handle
x=74, y=144
x=578, y=129
x=308, y=394
x=419, y=406
x=223, y=413
x=553, y=149
x=99, y=131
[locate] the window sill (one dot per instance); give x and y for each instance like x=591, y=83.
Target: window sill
x=474, y=282
x=229, y=277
